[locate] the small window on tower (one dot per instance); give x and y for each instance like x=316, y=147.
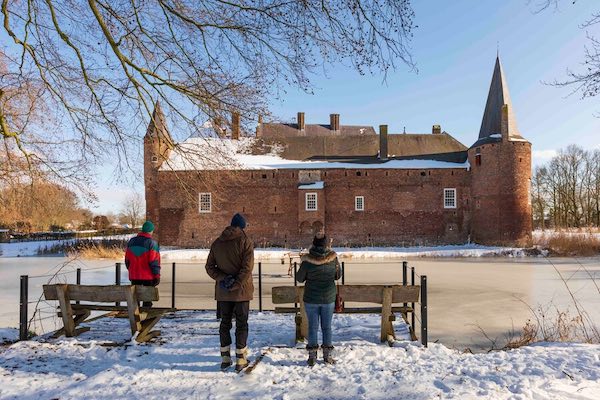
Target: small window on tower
x=205, y=203
x=359, y=203
x=478, y=156
x=154, y=159
x=449, y=198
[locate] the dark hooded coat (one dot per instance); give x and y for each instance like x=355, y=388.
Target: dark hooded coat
x=319, y=269
x=232, y=254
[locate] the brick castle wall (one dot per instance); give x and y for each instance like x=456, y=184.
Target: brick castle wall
x=401, y=206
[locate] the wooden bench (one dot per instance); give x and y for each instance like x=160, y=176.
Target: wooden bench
x=386, y=295
x=141, y=319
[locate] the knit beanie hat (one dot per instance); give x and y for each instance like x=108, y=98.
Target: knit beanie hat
x=239, y=221
x=148, y=227
x=320, y=240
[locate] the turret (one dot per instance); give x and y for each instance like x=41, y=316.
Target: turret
x=500, y=173
x=157, y=148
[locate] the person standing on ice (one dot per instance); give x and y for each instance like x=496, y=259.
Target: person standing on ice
x=142, y=259
x=319, y=268
x=230, y=263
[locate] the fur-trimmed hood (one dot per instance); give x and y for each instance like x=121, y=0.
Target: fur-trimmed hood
x=317, y=259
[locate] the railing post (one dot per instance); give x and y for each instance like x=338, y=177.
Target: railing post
x=412, y=283
x=78, y=280
x=118, y=278
x=405, y=276
x=295, y=283
x=424, y=310
x=260, y=286
x=343, y=272
x=173, y=286
x=23, y=308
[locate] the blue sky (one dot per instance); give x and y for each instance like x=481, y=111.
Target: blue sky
x=455, y=47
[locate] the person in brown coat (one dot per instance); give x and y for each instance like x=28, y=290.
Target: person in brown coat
x=230, y=262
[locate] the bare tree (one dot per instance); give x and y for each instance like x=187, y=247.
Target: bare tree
x=79, y=79
x=585, y=81
x=133, y=209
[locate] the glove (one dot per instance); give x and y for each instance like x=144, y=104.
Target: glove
x=227, y=282
x=156, y=280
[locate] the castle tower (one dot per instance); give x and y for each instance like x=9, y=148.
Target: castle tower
x=157, y=147
x=500, y=173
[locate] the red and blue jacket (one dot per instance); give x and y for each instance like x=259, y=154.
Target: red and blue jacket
x=142, y=257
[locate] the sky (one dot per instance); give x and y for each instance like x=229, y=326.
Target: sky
x=455, y=47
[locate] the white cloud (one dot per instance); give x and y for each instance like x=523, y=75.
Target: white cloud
x=542, y=156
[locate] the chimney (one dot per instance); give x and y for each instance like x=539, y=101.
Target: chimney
x=235, y=126
x=259, y=126
x=300, y=121
x=334, y=122
x=504, y=127
x=436, y=129
x=383, y=142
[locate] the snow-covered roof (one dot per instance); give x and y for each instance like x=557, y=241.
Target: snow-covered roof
x=314, y=185
x=216, y=154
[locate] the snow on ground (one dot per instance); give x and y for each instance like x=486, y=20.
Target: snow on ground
x=466, y=250
x=184, y=364
x=31, y=248
x=8, y=335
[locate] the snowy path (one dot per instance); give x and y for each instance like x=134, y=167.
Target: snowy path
x=185, y=364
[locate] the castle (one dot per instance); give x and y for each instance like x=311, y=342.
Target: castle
x=294, y=179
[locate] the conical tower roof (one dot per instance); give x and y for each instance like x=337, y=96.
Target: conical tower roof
x=498, y=96
x=158, y=126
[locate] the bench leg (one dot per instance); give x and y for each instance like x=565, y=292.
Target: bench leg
x=386, y=313
x=66, y=310
x=133, y=310
x=79, y=318
x=145, y=332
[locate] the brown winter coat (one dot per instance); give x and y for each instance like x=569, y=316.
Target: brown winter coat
x=232, y=254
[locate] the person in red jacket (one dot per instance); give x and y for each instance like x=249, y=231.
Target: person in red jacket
x=142, y=259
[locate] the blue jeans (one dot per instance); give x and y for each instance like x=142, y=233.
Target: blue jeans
x=324, y=312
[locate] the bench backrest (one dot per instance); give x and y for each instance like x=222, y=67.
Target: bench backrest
x=102, y=294
x=354, y=293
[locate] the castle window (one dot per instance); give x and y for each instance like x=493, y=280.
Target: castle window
x=359, y=203
x=205, y=202
x=449, y=198
x=478, y=156
x=310, y=201
x=264, y=176
x=358, y=173
x=154, y=159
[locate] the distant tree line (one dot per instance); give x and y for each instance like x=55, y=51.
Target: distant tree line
x=565, y=192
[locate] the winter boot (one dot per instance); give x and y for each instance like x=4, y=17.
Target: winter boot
x=241, y=358
x=327, y=355
x=312, y=355
x=225, y=357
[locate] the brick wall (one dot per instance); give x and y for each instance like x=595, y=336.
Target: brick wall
x=500, y=188
x=401, y=206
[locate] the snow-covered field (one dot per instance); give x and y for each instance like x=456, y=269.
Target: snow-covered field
x=25, y=249
x=184, y=364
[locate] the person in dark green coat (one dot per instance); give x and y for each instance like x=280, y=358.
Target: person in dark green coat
x=319, y=269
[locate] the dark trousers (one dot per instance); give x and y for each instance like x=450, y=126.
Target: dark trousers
x=143, y=283
x=240, y=310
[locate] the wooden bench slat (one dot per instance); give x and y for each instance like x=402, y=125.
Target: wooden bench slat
x=284, y=294
x=350, y=310
x=374, y=293
x=103, y=293
x=355, y=293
